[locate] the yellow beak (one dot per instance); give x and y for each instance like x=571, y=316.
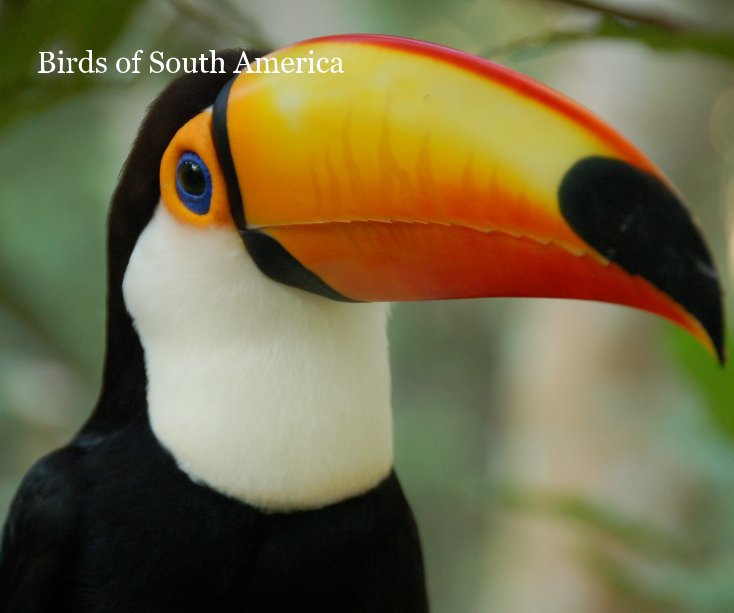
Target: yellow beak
x=420, y=172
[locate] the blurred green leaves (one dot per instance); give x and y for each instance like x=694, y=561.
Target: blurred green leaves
x=657, y=32
x=627, y=531
x=715, y=384
x=649, y=569
x=670, y=587
x=716, y=44
x=75, y=26
x=29, y=27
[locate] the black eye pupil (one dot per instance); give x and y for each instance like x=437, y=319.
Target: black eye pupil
x=191, y=178
x=194, y=183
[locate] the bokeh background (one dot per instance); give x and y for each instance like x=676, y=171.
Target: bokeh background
x=561, y=457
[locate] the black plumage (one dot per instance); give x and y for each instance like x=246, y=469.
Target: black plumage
x=118, y=527
x=109, y=523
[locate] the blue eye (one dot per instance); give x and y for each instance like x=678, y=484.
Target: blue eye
x=194, y=183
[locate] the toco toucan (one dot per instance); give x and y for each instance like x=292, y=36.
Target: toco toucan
x=240, y=456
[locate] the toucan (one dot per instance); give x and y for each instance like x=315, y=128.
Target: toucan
x=240, y=455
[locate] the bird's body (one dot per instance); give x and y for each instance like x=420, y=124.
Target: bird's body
x=240, y=456
x=117, y=526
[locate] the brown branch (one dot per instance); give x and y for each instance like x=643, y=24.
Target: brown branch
x=232, y=20
x=658, y=32
x=642, y=17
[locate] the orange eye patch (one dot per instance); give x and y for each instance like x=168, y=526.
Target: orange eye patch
x=192, y=186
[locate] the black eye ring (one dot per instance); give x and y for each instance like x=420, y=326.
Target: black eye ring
x=194, y=183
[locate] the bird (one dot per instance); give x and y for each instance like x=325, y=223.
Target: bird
x=240, y=454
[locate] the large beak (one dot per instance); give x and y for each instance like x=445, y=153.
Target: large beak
x=419, y=172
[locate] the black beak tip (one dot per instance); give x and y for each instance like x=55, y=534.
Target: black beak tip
x=634, y=220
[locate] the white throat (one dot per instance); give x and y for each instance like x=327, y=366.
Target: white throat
x=263, y=392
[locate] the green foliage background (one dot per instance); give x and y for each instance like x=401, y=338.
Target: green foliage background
x=63, y=139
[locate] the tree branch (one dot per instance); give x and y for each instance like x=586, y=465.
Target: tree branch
x=658, y=32
x=641, y=17
x=227, y=19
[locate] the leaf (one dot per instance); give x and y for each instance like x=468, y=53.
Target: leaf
x=637, y=535
x=715, y=383
x=716, y=44
x=719, y=45
x=27, y=28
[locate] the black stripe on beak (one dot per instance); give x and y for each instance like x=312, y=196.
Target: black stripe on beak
x=633, y=219
x=269, y=255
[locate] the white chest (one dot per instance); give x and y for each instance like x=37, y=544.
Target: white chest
x=266, y=393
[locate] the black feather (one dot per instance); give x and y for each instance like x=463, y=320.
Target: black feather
x=110, y=523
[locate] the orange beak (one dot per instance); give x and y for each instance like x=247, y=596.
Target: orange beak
x=419, y=172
